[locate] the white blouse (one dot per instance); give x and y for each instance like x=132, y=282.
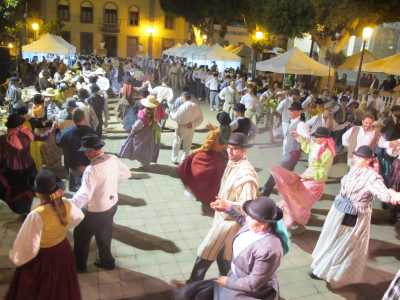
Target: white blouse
x=27, y=243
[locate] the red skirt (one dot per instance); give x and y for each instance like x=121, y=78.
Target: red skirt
x=201, y=173
x=299, y=195
x=50, y=275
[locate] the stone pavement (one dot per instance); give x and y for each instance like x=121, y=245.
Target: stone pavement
x=157, y=231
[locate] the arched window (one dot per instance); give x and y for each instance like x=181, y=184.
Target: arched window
x=63, y=10
x=133, y=16
x=86, y=12
x=110, y=13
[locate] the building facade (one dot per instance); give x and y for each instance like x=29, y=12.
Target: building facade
x=122, y=28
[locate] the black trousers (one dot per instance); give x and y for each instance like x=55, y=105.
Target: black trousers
x=99, y=225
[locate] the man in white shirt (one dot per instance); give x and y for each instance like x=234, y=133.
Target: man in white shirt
x=228, y=94
x=164, y=95
x=104, y=85
x=251, y=102
x=283, y=108
x=99, y=195
x=212, y=84
x=375, y=103
x=188, y=116
x=364, y=135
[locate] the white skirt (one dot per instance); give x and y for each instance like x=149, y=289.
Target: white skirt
x=341, y=252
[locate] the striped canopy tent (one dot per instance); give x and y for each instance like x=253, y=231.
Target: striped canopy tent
x=388, y=65
x=293, y=62
x=352, y=62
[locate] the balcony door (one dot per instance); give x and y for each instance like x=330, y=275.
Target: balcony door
x=131, y=46
x=111, y=45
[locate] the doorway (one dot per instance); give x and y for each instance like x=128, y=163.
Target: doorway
x=111, y=45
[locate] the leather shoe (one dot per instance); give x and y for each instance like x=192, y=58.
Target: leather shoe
x=99, y=264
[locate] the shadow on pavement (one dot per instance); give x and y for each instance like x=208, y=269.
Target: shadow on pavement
x=142, y=240
x=378, y=282
x=130, y=201
x=378, y=248
x=158, y=169
x=307, y=240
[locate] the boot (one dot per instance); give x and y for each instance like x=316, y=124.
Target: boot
x=200, y=269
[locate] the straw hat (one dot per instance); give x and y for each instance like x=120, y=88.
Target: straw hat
x=99, y=71
x=150, y=102
x=49, y=92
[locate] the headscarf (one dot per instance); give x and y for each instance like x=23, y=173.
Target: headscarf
x=13, y=136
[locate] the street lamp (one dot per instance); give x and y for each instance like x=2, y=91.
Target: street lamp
x=151, y=31
x=258, y=36
x=35, y=27
x=10, y=45
x=204, y=36
x=366, y=35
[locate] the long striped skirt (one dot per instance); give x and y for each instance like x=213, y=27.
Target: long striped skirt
x=341, y=253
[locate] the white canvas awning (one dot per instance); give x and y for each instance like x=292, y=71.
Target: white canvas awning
x=293, y=62
x=50, y=44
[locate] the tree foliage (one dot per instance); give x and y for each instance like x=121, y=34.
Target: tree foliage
x=330, y=22
x=8, y=12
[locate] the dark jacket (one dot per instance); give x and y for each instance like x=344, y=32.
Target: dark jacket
x=70, y=142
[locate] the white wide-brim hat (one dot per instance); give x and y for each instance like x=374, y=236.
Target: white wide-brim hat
x=150, y=102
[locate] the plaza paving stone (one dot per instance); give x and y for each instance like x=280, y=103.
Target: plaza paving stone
x=158, y=228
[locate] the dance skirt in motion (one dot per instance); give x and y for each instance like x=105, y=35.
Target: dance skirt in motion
x=201, y=173
x=50, y=275
x=299, y=195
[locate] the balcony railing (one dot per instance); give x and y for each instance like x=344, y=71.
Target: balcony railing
x=110, y=27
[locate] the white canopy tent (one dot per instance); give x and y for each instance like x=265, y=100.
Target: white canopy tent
x=388, y=65
x=204, y=55
x=218, y=55
x=48, y=45
x=293, y=61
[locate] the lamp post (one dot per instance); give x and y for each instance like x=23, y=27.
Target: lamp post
x=151, y=30
x=258, y=36
x=204, y=37
x=35, y=27
x=366, y=34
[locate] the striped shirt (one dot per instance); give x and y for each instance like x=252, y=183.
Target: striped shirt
x=360, y=185
x=393, y=292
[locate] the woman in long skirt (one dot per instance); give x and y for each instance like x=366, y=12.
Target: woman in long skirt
x=43, y=256
x=299, y=193
x=341, y=252
x=143, y=143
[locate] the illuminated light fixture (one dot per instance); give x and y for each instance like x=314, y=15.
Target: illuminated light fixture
x=204, y=36
x=259, y=35
x=35, y=26
x=10, y=45
x=367, y=33
x=151, y=30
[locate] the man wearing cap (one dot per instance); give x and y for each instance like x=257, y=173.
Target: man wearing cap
x=99, y=195
x=188, y=116
x=291, y=147
x=238, y=184
x=241, y=123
